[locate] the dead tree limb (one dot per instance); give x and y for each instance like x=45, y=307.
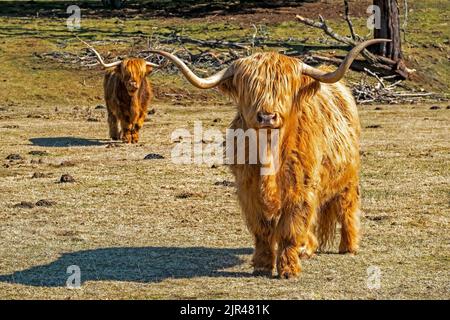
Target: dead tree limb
x=327, y=29
x=349, y=22
x=376, y=61
x=330, y=32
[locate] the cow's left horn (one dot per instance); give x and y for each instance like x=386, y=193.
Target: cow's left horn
x=99, y=57
x=338, y=74
x=202, y=83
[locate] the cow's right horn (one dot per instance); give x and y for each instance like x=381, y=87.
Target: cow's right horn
x=338, y=74
x=202, y=83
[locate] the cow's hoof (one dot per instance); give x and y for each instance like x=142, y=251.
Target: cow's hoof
x=126, y=139
x=134, y=137
x=288, y=271
x=126, y=136
x=288, y=274
x=345, y=248
x=347, y=251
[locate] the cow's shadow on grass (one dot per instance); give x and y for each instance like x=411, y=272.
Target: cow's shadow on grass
x=66, y=142
x=145, y=265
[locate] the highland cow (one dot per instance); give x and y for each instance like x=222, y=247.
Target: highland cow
x=294, y=212
x=127, y=96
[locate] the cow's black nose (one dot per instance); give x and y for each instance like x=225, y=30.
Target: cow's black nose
x=266, y=118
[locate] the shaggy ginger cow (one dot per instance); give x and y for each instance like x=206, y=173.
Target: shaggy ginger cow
x=294, y=211
x=127, y=96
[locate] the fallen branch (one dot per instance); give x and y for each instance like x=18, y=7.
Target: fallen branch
x=376, y=77
x=365, y=93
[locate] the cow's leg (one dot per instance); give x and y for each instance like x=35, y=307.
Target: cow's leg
x=292, y=235
x=264, y=256
x=135, y=135
x=113, y=123
x=349, y=218
x=326, y=221
x=137, y=127
x=127, y=128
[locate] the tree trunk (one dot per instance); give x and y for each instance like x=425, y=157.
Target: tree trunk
x=390, y=29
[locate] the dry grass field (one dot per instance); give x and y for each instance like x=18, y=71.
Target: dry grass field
x=151, y=229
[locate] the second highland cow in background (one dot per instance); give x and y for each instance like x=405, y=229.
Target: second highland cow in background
x=127, y=96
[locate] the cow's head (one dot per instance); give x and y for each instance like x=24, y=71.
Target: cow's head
x=266, y=86
x=132, y=70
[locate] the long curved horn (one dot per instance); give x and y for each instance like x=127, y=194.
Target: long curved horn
x=202, y=83
x=338, y=74
x=99, y=57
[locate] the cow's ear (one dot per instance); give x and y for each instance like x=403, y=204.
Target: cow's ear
x=227, y=87
x=148, y=69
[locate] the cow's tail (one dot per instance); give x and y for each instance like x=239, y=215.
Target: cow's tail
x=327, y=219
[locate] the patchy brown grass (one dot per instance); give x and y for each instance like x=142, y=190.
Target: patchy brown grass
x=152, y=229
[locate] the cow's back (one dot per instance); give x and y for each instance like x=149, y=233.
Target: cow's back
x=332, y=121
